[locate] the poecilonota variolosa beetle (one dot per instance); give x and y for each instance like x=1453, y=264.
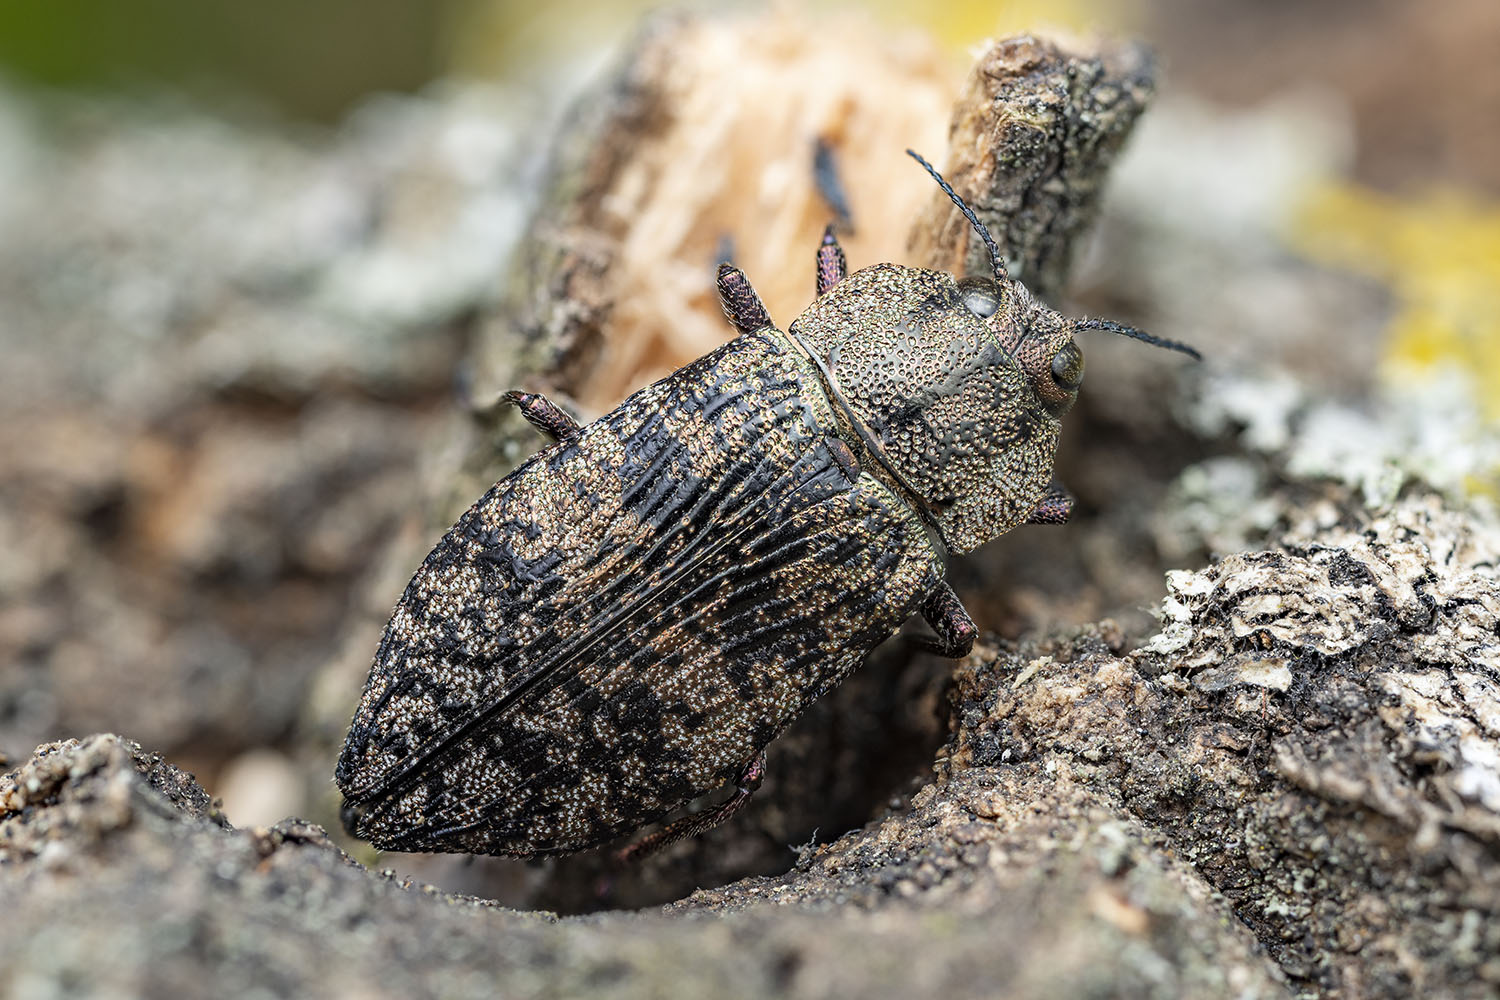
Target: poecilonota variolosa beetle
x=624, y=622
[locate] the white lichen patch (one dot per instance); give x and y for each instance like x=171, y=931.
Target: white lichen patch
x=1263, y=407
x=1419, y=572
x=1409, y=600
x=1430, y=430
x=1176, y=612
x=1223, y=504
x=1271, y=672
x=1437, y=716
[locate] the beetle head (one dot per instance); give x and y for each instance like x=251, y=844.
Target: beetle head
x=1040, y=339
x=939, y=400
x=955, y=387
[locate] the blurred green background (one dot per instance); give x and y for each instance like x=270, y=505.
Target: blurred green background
x=306, y=60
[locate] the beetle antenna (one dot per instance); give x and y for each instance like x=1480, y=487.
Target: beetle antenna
x=1132, y=332
x=996, y=261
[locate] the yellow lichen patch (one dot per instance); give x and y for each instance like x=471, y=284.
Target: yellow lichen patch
x=1440, y=256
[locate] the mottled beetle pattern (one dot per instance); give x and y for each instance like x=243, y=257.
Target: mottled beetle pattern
x=625, y=622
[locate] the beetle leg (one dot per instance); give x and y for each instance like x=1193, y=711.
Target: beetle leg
x=543, y=414
x=746, y=783
x=1055, y=508
x=955, y=629
x=832, y=267
x=742, y=307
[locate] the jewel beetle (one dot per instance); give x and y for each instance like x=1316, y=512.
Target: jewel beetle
x=624, y=622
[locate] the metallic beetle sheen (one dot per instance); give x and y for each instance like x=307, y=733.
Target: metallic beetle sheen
x=626, y=621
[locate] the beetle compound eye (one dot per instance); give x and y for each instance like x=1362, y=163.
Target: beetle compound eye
x=980, y=296
x=1067, y=367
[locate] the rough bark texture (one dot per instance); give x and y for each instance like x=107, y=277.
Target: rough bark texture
x=145, y=896
x=1292, y=784
x=1032, y=139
